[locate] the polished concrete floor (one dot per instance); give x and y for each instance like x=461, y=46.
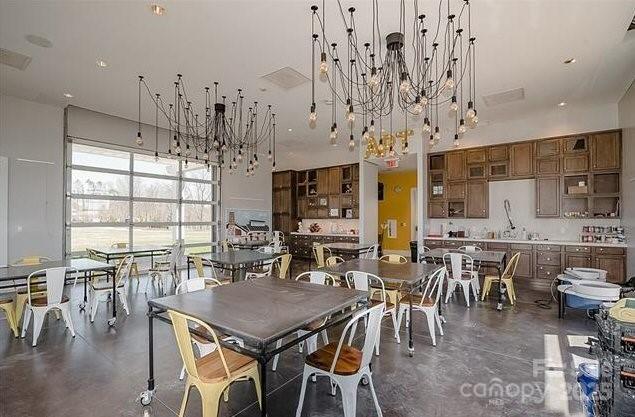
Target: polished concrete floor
x=519, y=362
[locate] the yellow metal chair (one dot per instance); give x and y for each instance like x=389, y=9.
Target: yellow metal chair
x=36, y=289
x=334, y=260
x=200, y=271
x=9, y=309
x=211, y=374
x=134, y=269
x=227, y=245
x=283, y=265
x=392, y=291
x=507, y=279
x=319, y=253
x=394, y=259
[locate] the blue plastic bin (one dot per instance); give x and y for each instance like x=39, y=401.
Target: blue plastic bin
x=588, y=376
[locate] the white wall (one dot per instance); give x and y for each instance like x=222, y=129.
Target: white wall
x=31, y=136
x=522, y=197
x=4, y=209
x=368, y=203
x=627, y=123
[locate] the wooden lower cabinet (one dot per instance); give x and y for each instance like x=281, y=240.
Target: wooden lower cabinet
x=301, y=245
x=614, y=265
x=525, y=267
x=574, y=260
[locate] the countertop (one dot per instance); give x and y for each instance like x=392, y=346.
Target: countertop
x=324, y=234
x=533, y=242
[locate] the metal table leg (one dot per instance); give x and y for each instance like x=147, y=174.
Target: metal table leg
x=262, y=361
x=82, y=306
x=113, y=320
x=146, y=396
x=411, y=347
x=188, y=267
x=560, y=304
x=501, y=292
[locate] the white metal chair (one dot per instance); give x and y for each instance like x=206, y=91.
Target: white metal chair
x=314, y=277
x=203, y=345
x=477, y=268
x=266, y=268
x=164, y=270
x=346, y=365
x=426, y=302
x=53, y=300
x=461, y=271
x=101, y=289
x=372, y=252
x=363, y=281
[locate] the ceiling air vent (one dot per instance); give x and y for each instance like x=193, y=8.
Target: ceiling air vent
x=632, y=25
x=14, y=59
x=504, y=97
x=286, y=78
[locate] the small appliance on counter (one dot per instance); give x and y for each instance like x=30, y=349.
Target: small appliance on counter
x=315, y=228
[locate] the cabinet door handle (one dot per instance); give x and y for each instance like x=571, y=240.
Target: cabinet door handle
x=577, y=249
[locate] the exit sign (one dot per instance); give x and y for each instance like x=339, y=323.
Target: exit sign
x=392, y=163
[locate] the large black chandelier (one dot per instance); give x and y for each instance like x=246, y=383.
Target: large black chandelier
x=372, y=80
x=229, y=134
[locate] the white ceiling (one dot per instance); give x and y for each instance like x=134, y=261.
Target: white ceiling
x=519, y=44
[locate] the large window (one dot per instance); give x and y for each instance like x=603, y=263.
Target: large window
x=115, y=195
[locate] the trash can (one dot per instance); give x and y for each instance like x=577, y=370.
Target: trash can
x=414, y=256
x=588, y=376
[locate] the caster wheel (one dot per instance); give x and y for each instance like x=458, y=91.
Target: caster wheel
x=499, y=307
x=145, y=398
x=364, y=381
x=82, y=307
x=112, y=321
x=411, y=352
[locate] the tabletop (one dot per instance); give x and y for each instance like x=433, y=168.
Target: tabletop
x=263, y=310
x=80, y=264
x=407, y=273
x=486, y=256
x=349, y=246
x=251, y=244
x=125, y=251
x=237, y=257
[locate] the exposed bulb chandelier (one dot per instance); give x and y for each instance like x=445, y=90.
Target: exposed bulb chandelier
x=227, y=134
x=372, y=80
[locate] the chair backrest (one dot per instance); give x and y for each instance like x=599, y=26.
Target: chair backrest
x=457, y=263
x=394, y=259
x=283, y=264
x=362, y=281
x=123, y=270
x=374, y=316
x=55, y=278
x=184, y=342
x=319, y=253
x=334, y=260
x=434, y=286
x=227, y=245
x=175, y=254
x=470, y=248
x=372, y=252
x=119, y=245
x=278, y=235
x=198, y=264
x=196, y=284
x=317, y=277
x=510, y=269
x=30, y=260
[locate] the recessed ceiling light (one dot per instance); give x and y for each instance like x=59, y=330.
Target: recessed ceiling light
x=101, y=63
x=290, y=130
x=569, y=61
x=562, y=103
x=157, y=9
x=38, y=41
x=68, y=95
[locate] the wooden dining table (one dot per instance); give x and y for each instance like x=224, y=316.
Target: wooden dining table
x=261, y=312
x=408, y=276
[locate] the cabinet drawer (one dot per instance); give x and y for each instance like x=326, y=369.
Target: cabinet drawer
x=608, y=251
x=452, y=243
x=547, y=272
x=498, y=247
x=548, y=248
x=548, y=258
x=578, y=249
x=434, y=243
x=520, y=246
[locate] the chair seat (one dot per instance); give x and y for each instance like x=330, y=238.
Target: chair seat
x=6, y=300
x=495, y=277
x=389, y=305
x=104, y=285
x=416, y=299
x=348, y=362
x=41, y=301
x=210, y=367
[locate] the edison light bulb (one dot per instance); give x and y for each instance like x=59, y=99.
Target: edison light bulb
x=456, y=141
x=240, y=157
x=431, y=141
x=449, y=83
x=470, y=113
x=437, y=134
x=333, y=137
x=404, y=87
x=324, y=67
x=177, y=149
x=139, y=139
x=424, y=101
x=351, y=144
x=462, y=128
x=426, y=126
x=474, y=122
x=373, y=82
x=312, y=119
x=380, y=147
x=365, y=136
x=405, y=148
x=418, y=108
x=273, y=167
x=371, y=129
x=350, y=116
x=215, y=144
x=454, y=106
x=269, y=156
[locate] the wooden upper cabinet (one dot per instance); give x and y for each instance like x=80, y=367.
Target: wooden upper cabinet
x=455, y=162
x=576, y=163
x=476, y=156
x=456, y=191
x=436, y=209
x=322, y=181
x=521, y=156
x=498, y=153
x=334, y=180
x=605, y=151
x=548, y=166
x=548, y=197
x=477, y=199
x=575, y=144
x=548, y=147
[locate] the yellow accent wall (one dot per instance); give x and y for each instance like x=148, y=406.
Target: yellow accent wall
x=396, y=205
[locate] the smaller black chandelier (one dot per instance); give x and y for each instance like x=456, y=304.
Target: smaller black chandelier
x=227, y=134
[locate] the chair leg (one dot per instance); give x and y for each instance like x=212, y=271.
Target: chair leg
x=474, y=286
x=348, y=387
x=352, y=334
x=486, y=286
x=369, y=377
x=275, y=358
x=66, y=314
x=450, y=290
x=438, y=320
x=25, y=322
x=186, y=395
x=182, y=374
x=93, y=305
x=400, y=317
x=305, y=377
x=377, y=343
x=211, y=400
x=431, y=329
x=466, y=291
x=393, y=314
x=124, y=301
x=38, y=320
x=255, y=377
